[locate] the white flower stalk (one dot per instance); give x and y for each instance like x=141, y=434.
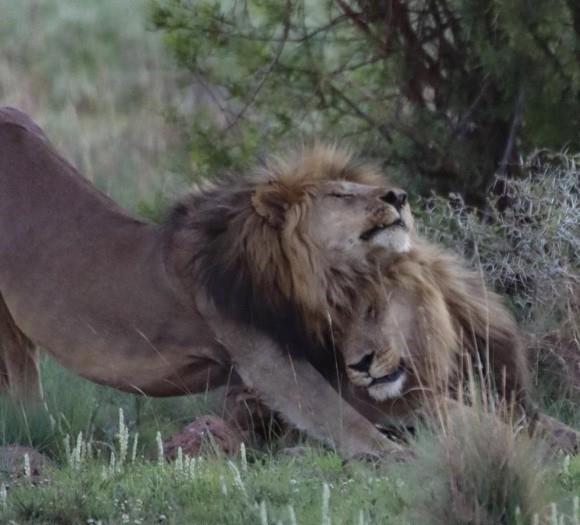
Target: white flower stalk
x=123, y=437
x=77, y=452
x=238, y=478
x=566, y=465
x=179, y=460
x=243, y=457
x=292, y=515
x=223, y=486
x=263, y=514
x=88, y=452
x=325, y=520
x=112, y=463
x=553, y=514
x=160, y=451
x=134, y=449
x=192, y=468
x=27, y=469
x=3, y=496
x=67, y=449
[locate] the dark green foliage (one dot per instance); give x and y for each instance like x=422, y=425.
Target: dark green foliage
x=445, y=91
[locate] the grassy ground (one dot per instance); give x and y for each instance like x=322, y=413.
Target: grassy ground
x=99, y=83
x=88, y=487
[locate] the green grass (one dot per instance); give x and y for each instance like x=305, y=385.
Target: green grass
x=99, y=83
x=74, y=405
x=316, y=488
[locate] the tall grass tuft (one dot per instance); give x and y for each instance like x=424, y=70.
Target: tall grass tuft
x=476, y=469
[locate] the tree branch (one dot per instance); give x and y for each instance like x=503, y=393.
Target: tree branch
x=266, y=74
x=516, y=120
x=381, y=128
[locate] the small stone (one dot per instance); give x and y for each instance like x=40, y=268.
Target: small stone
x=205, y=434
x=12, y=463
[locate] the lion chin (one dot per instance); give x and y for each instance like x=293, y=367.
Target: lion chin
x=394, y=241
x=388, y=390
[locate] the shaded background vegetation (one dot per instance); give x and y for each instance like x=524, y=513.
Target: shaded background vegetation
x=444, y=92
x=145, y=97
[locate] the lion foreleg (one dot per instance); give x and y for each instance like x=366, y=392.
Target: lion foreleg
x=244, y=410
x=19, y=373
x=296, y=390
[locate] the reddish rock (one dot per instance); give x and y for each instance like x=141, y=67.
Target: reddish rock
x=206, y=434
x=12, y=463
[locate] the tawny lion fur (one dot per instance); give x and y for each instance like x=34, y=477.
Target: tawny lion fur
x=435, y=316
x=242, y=282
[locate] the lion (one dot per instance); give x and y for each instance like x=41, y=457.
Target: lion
x=432, y=327
x=241, y=283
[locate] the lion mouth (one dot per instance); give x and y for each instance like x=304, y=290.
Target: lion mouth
x=378, y=228
x=390, y=386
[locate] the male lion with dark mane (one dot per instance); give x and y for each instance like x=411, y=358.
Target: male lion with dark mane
x=244, y=278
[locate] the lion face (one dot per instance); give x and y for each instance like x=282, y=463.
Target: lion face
x=402, y=338
x=288, y=246
x=374, y=351
x=354, y=218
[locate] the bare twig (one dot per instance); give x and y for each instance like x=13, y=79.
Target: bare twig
x=269, y=69
x=516, y=120
x=381, y=128
x=462, y=123
x=358, y=22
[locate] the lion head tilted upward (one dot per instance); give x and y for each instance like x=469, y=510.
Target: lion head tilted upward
x=290, y=247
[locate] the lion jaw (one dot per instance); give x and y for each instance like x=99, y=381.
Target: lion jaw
x=390, y=390
x=394, y=241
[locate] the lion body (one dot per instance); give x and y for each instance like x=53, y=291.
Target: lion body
x=86, y=281
x=185, y=306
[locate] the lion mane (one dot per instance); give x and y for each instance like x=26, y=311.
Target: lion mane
x=255, y=262
x=450, y=329
x=440, y=320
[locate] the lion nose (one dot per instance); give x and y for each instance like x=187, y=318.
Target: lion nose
x=396, y=198
x=364, y=365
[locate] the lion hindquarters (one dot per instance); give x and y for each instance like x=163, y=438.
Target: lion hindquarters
x=19, y=374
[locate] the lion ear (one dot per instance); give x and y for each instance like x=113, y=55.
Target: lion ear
x=273, y=200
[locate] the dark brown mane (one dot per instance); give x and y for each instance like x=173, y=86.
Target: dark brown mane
x=250, y=253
